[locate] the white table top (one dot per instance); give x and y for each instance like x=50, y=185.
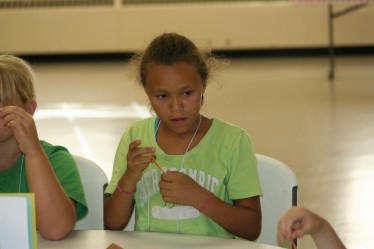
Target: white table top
x=133, y=240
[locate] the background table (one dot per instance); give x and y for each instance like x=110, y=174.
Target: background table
x=131, y=240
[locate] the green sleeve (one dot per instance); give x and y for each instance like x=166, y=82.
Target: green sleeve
x=67, y=173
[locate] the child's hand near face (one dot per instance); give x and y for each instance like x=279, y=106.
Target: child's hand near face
x=22, y=125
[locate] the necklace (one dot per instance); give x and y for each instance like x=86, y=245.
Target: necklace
x=189, y=145
x=20, y=174
x=181, y=167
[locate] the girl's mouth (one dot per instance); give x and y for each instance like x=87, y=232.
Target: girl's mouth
x=177, y=120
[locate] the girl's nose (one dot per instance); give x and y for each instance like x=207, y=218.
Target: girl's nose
x=176, y=104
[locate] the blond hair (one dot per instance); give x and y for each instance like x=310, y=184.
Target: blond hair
x=16, y=81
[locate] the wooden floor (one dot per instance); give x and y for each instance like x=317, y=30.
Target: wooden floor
x=324, y=131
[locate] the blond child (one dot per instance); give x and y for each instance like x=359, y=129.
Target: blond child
x=28, y=165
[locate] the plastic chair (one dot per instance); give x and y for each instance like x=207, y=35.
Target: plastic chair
x=279, y=185
x=93, y=180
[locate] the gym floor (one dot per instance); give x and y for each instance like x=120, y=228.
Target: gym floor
x=323, y=130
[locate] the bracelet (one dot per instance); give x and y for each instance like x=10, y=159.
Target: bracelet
x=125, y=192
x=206, y=202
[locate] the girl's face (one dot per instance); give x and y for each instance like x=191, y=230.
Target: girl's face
x=175, y=92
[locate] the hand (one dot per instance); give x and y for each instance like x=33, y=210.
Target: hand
x=297, y=222
x=178, y=188
x=138, y=158
x=22, y=125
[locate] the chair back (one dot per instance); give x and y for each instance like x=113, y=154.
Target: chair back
x=279, y=185
x=93, y=180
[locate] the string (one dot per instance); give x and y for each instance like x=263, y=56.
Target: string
x=20, y=174
x=158, y=166
x=189, y=145
x=182, y=164
x=293, y=244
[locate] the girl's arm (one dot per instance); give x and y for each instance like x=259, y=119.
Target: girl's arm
x=119, y=206
x=56, y=214
x=55, y=211
x=243, y=219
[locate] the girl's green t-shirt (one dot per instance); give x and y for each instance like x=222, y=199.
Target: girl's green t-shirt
x=223, y=162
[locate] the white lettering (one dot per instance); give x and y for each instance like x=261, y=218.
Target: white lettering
x=214, y=183
x=208, y=182
x=174, y=213
x=201, y=178
x=193, y=173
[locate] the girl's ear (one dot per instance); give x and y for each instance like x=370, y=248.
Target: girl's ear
x=204, y=87
x=31, y=107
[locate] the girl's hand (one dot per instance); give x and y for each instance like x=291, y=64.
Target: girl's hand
x=138, y=158
x=178, y=188
x=22, y=125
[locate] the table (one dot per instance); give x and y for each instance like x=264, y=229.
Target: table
x=101, y=239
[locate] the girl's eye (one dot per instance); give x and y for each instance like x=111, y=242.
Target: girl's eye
x=188, y=93
x=162, y=96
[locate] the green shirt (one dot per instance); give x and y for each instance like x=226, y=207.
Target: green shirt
x=223, y=162
x=14, y=179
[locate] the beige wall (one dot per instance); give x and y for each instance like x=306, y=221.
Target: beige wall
x=219, y=26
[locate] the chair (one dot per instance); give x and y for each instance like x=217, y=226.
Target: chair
x=279, y=185
x=93, y=180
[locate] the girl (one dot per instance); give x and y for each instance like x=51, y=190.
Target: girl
x=28, y=165
x=207, y=183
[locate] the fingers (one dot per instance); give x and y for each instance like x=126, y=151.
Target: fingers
x=12, y=116
x=171, y=176
x=167, y=182
x=22, y=125
x=16, y=118
x=139, y=155
x=178, y=188
x=138, y=158
x=295, y=223
x=169, y=187
x=290, y=224
x=285, y=230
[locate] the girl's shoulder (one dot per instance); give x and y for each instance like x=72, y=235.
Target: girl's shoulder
x=226, y=127
x=139, y=129
x=51, y=149
x=143, y=123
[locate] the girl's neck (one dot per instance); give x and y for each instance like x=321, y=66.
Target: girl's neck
x=175, y=144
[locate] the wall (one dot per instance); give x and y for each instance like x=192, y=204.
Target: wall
x=118, y=28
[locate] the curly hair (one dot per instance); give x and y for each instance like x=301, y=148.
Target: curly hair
x=170, y=48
